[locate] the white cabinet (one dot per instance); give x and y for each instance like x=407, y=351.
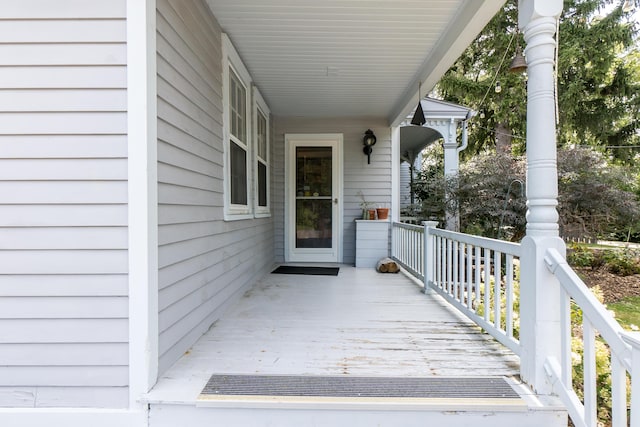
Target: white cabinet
x=372, y=242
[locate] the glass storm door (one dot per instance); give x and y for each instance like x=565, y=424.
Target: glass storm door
x=313, y=201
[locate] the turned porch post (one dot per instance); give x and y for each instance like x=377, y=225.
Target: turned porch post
x=540, y=290
x=451, y=167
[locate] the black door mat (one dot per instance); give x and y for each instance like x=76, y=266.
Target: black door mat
x=310, y=271
x=358, y=387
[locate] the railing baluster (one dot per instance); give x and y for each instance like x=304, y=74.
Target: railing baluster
x=454, y=269
x=565, y=337
x=436, y=256
x=487, y=284
x=440, y=262
x=497, y=282
x=589, y=362
x=633, y=339
x=449, y=266
x=469, y=277
x=618, y=393
x=509, y=296
x=477, y=279
x=461, y=270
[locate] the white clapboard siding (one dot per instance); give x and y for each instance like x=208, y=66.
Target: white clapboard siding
x=63, y=31
x=62, y=54
x=63, y=9
x=63, y=307
x=55, y=123
x=373, y=180
x=61, y=285
x=63, y=204
x=204, y=261
x=63, y=77
x=29, y=331
x=63, y=215
x=63, y=169
x=54, y=397
x=69, y=376
x=64, y=238
x=63, y=192
x=63, y=100
x=63, y=261
x=95, y=147
x=66, y=354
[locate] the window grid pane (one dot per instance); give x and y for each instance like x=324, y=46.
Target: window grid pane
x=238, y=174
x=262, y=184
x=237, y=104
x=262, y=136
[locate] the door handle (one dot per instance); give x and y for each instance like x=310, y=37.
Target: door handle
x=335, y=201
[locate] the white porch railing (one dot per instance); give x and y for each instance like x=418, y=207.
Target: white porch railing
x=407, y=247
x=478, y=276
x=597, y=322
x=462, y=268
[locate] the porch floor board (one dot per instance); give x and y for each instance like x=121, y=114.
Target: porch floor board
x=357, y=323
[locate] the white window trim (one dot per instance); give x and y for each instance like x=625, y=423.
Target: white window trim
x=231, y=60
x=260, y=107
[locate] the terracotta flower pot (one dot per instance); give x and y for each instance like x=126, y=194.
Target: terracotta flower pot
x=372, y=214
x=383, y=213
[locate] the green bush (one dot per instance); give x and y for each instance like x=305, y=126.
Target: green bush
x=623, y=262
x=580, y=255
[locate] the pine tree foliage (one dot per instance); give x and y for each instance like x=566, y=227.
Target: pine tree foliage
x=598, y=80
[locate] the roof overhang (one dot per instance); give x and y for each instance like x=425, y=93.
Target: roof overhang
x=348, y=58
x=415, y=138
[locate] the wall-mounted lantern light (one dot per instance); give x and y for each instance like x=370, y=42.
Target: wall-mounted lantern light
x=369, y=141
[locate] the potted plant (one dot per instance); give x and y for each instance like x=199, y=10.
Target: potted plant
x=382, y=212
x=368, y=212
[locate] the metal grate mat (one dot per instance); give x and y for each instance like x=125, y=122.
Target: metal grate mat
x=358, y=387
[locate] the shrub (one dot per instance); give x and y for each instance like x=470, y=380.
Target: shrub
x=623, y=262
x=580, y=255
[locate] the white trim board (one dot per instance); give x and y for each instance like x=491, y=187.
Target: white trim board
x=72, y=417
x=142, y=201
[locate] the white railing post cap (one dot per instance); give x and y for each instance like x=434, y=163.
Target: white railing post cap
x=432, y=224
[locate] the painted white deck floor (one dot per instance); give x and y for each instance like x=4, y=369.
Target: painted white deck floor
x=358, y=323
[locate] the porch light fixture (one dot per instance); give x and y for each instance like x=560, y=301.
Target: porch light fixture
x=418, y=117
x=369, y=141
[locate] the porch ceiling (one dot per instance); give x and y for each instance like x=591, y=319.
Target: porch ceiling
x=335, y=58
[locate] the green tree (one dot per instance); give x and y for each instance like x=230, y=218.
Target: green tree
x=598, y=81
x=596, y=199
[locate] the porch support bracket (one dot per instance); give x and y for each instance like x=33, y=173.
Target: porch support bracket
x=540, y=329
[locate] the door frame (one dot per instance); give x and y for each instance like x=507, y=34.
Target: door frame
x=291, y=140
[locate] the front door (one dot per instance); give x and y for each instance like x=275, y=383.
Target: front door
x=313, y=200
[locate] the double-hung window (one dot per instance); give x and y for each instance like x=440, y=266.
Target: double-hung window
x=246, y=141
x=237, y=135
x=261, y=164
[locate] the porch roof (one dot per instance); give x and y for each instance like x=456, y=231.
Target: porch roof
x=359, y=323
x=350, y=57
x=414, y=138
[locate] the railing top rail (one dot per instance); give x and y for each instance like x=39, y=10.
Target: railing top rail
x=592, y=309
x=485, y=242
x=408, y=226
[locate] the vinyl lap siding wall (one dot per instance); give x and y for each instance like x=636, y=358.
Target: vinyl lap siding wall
x=374, y=180
x=63, y=204
x=204, y=261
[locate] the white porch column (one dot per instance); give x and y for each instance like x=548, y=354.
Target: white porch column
x=540, y=290
x=451, y=166
x=395, y=174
